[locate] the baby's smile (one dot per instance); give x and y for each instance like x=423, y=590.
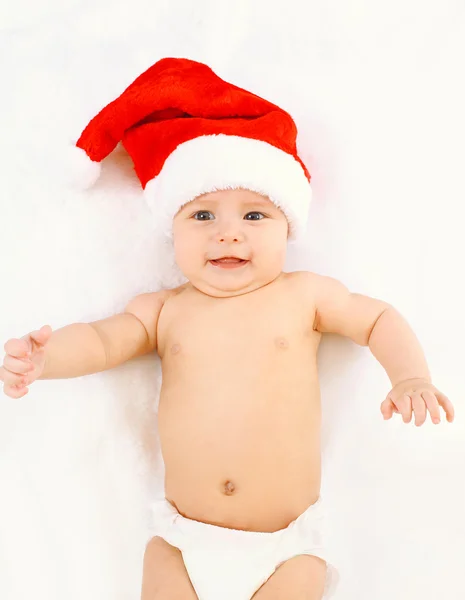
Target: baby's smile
x=229, y=262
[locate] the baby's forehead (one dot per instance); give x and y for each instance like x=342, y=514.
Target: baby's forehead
x=238, y=196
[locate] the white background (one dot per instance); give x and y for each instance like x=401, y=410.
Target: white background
x=377, y=92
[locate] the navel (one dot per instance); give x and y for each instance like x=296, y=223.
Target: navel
x=175, y=348
x=281, y=342
x=229, y=488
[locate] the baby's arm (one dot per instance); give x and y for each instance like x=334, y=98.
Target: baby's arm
x=84, y=348
x=378, y=325
x=373, y=323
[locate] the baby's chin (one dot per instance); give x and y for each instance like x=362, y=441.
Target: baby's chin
x=219, y=287
x=216, y=291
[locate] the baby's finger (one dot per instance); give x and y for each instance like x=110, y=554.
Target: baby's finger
x=432, y=405
x=447, y=406
x=41, y=336
x=10, y=378
x=419, y=408
x=404, y=406
x=17, y=348
x=387, y=408
x=15, y=392
x=17, y=365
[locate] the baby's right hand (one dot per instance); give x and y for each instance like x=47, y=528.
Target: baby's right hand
x=24, y=361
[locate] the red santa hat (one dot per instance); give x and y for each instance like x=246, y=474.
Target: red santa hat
x=189, y=132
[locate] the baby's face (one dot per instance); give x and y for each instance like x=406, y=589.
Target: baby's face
x=238, y=224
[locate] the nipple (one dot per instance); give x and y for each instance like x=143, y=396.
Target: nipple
x=281, y=342
x=229, y=488
x=175, y=348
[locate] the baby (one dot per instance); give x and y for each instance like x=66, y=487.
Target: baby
x=239, y=412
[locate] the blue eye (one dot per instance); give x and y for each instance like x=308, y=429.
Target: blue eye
x=260, y=216
x=202, y=212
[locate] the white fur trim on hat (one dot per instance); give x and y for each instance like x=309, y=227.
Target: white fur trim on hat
x=216, y=162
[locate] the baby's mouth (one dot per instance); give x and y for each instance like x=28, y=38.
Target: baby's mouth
x=228, y=262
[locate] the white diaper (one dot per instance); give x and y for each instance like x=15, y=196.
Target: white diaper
x=232, y=564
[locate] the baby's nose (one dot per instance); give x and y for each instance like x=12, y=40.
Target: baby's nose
x=229, y=236
x=226, y=238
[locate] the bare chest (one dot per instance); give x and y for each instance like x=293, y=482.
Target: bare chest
x=237, y=331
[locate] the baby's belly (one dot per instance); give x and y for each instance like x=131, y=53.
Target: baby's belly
x=242, y=457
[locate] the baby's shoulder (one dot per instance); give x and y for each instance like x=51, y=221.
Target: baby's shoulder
x=173, y=292
x=152, y=301
x=170, y=297
x=305, y=282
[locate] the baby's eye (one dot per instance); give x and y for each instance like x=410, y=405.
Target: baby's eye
x=254, y=216
x=202, y=215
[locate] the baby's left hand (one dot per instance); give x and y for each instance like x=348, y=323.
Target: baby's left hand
x=417, y=396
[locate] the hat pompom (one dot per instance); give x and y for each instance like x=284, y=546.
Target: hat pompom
x=80, y=172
